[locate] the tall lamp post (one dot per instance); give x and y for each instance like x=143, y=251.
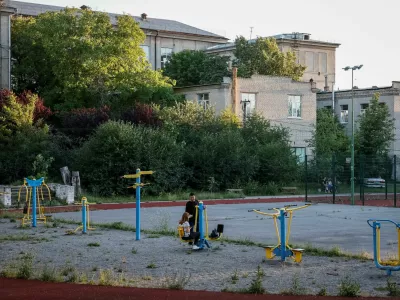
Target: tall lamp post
x=352, y=128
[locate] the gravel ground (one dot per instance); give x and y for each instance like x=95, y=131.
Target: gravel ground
x=210, y=270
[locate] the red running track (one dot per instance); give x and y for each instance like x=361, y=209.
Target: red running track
x=16, y=289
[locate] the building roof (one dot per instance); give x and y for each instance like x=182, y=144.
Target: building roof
x=295, y=36
x=34, y=9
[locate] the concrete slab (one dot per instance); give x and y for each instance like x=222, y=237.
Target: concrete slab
x=322, y=225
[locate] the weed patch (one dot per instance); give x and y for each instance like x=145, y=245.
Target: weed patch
x=349, y=287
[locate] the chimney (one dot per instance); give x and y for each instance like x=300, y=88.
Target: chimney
x=143, y=16
x=234, y=91
x=326, y=87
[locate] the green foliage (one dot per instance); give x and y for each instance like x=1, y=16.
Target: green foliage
x=118, y=148
x=349, y=287
x=376, y=129
x=77, y=58
x=393, y=289
x=262, y=56
x=329, y=136
x=25, y=268
x=194, y=67
x=41, y=165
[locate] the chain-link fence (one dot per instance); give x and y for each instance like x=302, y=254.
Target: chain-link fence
x=329, y=178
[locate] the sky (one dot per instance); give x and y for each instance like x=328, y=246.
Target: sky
x=365, y=29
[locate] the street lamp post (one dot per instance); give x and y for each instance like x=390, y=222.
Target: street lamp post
x=352, y=128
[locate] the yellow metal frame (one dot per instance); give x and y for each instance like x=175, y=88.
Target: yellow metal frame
x=87, y=204
x=269, y=250
x=27, y=218
x=391, y=262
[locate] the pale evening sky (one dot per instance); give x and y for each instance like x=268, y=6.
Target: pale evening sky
x=367, y=30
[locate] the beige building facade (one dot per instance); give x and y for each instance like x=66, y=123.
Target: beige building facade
x=341, y=103
x=281, y=100
x=319, y=57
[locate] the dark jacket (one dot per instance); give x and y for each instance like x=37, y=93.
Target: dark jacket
x=191, y=209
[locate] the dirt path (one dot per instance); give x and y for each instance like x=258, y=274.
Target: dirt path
x=32, y=289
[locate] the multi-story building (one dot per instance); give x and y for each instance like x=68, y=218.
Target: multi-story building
x=318, y=56
x=341, y=101
x=281, y=100
x=163, y=37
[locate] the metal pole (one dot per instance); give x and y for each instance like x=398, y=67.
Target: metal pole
x=334, y=177
x=306, y=177
x=34, y=220
x=84, y=221
x=138, y=206
x=200, y=220
x=283, y=235
x=352, y=138
x=386, y=180
x=395, y=181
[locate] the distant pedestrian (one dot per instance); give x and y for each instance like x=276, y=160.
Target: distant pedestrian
x=191, y=210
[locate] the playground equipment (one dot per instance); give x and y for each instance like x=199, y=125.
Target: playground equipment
x=85, y=217
x=137, y=186
x=201, y=216
x=282, y=249
x=33, y=197
x=388, y=265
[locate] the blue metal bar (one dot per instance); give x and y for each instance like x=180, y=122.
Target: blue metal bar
x=34, y=184
x=283, y=234
x=138, y=206
x=84, y=221
x=200, y=220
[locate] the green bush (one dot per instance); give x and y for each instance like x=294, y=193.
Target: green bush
x=118, y=148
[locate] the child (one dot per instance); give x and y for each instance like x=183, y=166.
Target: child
x=187, y=234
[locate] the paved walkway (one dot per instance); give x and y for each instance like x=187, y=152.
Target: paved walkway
x=322, y=225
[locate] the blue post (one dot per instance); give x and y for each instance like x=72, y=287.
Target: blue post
x=34, y=184
x=138, y=206
x=84, y=221
x=200, y=220
x=283, y=235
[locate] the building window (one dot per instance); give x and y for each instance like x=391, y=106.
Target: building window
x=294, y=106
x=146, y=50
x=323, y=63
x=364, y=107
x=204, y=100
x=300, y=152
x=344, y=113
x=248, y=103
x=310, y=61
x=166, y=54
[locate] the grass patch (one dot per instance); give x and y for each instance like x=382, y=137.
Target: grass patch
x=151, y=266
x=134, y=250
x=10, y=215
x=392, y=288
x=322, y=292
x=177, y=281
x=256, y=286
x=25, y=268
x=93, y=245
x=50, y=275
x=21, y=238
x=296, y=289
x=107, y=277
x=235, y=277
x=349, y=287
x=153, y=236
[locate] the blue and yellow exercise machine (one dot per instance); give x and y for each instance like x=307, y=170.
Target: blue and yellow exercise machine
x=85, y=226
x=282, y=249
x=33, y=211
x=137, y=186
x=202, y=228
x=387, y=265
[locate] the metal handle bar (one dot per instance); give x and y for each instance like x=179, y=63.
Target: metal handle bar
x=388, y=221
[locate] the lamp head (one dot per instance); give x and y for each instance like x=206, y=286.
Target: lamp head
x=346, y=68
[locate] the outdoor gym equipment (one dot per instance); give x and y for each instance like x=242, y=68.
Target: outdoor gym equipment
x=201, y=216
x=282, y=249
x=85, y=217
x=388, y=265
x=137, y=186
x=33, y=196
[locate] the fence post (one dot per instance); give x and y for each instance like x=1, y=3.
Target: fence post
x=395, y=180
x=386, y=179
x=306, y=177
x=334, y=177
x=361, y=179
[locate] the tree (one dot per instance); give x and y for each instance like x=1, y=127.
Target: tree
x=191, y=67
x=263, y=57
x=77, y=58
x=376, y=128
x=329, y=136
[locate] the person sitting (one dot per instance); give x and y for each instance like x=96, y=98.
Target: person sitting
x=187, y=233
